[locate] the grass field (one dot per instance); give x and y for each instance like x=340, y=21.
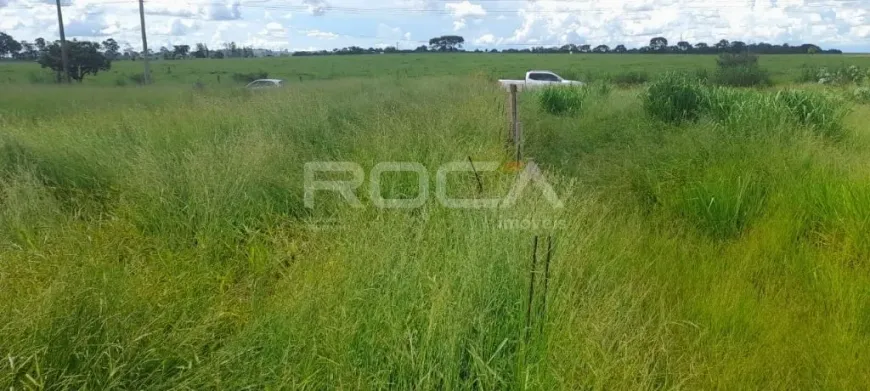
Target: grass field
x=588, y=67
x=157, y=238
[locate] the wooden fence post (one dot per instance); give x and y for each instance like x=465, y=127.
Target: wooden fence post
x=513, y=110
x=518, y=140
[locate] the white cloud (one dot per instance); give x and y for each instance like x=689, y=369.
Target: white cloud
x=486, y=39
x=462, y=11
x=274, y=31
x=171, y=10
x=89, y=21
x=829, y=23
x=221, y=11
x=635, y=22
x=316, y=7
x=179, y=27
x=11, y=23
x=209, y=11
x=320, y=34
x=465, y=10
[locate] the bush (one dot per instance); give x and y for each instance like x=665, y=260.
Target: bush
x=842, y=75
x=740, y=70
x=723, y=104
x=744, y=76
x=862, y=94
x=674, y=99
x=808, y=74
x=814, y=110
x=560, y=100
x=737, y=60
x=249, y=77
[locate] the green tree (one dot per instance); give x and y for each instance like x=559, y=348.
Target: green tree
x=28, y=51
x=180, y=51
x=684, y=46
x=8, y=45
x=201, y=51
x=658, y=44
x=84, y=59
x=601, y=49
x=112, y=48
x=620, y=49
x=40, y=44
x=447, y=43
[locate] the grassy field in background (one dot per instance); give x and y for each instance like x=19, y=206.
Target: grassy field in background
x=588, y=67
x=157, y=238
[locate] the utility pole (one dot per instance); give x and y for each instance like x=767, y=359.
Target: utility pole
x=145, y=59
x=64, y=56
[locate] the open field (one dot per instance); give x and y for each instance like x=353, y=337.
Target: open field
x=783, y=68
x=158, y=238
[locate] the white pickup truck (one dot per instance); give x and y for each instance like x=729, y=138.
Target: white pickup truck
x=539, y=79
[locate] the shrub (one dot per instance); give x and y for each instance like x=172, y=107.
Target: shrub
x=808, y=74
x=743, y=76
x=249, y=77
x=862, y=94
x=630, y=78
x=842, y=75
x=814, y=110
x=722, y=104
x=674, y=99
x=560, y=100
x=736, y=60
x=740, y=70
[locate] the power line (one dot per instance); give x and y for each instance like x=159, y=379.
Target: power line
x=262, y=4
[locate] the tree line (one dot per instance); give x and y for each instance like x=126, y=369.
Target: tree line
x=657, y=45
x=92, y=57
x=24, y=50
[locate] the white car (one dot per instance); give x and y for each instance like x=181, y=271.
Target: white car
x=539, y=79
x=265, y=83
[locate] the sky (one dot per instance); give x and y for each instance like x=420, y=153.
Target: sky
x=325, y=24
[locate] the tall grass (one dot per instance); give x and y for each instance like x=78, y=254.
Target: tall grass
x=157, y=238
x=674, y=98
x=562, y=100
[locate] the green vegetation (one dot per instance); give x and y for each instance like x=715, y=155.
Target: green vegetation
x=586, y=67
x=740, y=70
x=157, y=237
x=674, y=98
x=562, y=100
